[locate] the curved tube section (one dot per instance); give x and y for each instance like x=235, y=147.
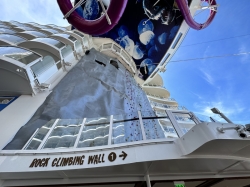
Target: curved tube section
x=183, y=6
x=98, y=26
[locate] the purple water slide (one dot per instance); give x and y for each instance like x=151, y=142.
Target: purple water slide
x=183, y=6
x=98, y=26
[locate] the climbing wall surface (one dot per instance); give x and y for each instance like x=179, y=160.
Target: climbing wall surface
x=93, y=88
x=135, y=100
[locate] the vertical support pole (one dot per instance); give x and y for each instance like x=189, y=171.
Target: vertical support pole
x=174, y=123
x=79, y=133
x=148, y=180
x=30, y=139
x=110, y=130
x=47, y=135
x=142, y=127
x=196, y=120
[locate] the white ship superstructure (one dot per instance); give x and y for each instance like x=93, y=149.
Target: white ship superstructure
x=75, y=111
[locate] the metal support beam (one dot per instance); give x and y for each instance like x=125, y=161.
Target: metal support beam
x=175, y=123
x=110, y=130
x=30, y=139
x=79, y=133
x=148, y=180
x=210, y=183
x=142, y=126
x=144, y=184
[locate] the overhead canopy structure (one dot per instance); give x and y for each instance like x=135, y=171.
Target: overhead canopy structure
x=23, y=28
x=46, y=47
x=70, y=40
x=5, y=30
x=29, y=35
x=37, y=26
x=49, y=31
x=10, y=39
x=14, y=77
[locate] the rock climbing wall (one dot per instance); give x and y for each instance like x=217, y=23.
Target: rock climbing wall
x=93, y=88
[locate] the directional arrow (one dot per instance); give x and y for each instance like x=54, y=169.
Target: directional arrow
x=124, y=155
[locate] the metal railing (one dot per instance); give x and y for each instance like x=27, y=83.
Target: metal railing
x=106, y=131
x=165, y=106
x=117, y=49
x=154, y=85
x=160, y=97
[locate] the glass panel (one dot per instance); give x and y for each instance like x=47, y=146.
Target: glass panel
x=43, y=65
x=39, y=136
x=67, y=51
x=32, y=23
x=9, y=31
x=203, y=118
x=185, y=121
x=16, y=24
x=42, y=26
x=64, y=134
x=168, y=128
x=67, y=36
x=19, y=54
x=62, y=28
x=4, y=26
x=12, y=38
x=80, y=34
x=126, y=128
x=160, y=113
x=26, y=28
x=36, y=33
x=52, y=31
x=95, y=132
x=78, y=44
x=50, y=41
x=152, y=126
x=6, y=100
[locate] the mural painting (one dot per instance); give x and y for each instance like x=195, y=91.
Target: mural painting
x=145, y=31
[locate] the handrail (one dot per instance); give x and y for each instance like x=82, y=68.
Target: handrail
x=99, y=134
x=183, y=6
x=154, y=85
x=167, y=106
x=159, y=97
x=112, y=46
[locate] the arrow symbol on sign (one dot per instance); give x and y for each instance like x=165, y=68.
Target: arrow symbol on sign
x=124, y=155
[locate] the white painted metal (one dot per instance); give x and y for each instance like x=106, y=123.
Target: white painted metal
x=47, y=135
x=110, y=130
x=79, y=133
x=148, y=180
x=142, y=126
x=30, y=139
x=105, y=12
x=110, y=45
x=73, y=9
x=175, y=124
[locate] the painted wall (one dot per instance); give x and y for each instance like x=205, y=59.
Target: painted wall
x=145, y=40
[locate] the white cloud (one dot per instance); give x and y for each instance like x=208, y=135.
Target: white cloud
x=230, y=109
x=39, y=11
x=207, y=77
x=244, y=58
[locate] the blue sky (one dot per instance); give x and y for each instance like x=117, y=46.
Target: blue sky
x=197, y=84
x=39, y=11
x=217, y=82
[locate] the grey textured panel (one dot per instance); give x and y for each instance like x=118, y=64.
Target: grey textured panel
x=88, y=90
